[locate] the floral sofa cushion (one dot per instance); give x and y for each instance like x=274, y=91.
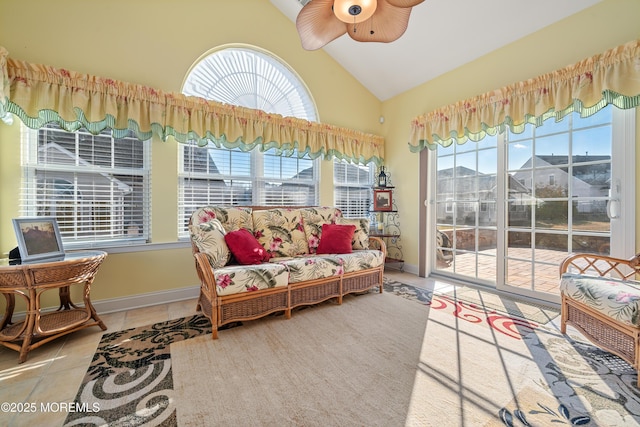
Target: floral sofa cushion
x=280, y=232
x=361, y=235
x=209, y=238
x=616, y=298
x=360, y=260
x=310, y=267
x=235, y=279
x=232, y=218
x=313, y=219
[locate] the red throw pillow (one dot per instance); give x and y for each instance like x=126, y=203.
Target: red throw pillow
x=336, y=239
x=245, y=248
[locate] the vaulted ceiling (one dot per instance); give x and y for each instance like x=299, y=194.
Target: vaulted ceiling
x=442, y=35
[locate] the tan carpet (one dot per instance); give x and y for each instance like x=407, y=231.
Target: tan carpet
x=328, y=365
x=380, y=360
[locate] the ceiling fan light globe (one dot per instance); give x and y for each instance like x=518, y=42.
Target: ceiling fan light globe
x=354, y=11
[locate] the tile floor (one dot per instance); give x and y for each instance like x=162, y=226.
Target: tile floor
x=52, y=373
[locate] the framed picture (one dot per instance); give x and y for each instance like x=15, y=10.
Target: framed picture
x=38, y=239
x=382, y=200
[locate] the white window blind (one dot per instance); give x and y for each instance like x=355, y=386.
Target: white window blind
x=214, y=176
x=352, y=188
x=252, y=78
x=97, y=187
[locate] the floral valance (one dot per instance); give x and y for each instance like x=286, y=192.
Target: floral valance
x=40, y=94
x=586, y=87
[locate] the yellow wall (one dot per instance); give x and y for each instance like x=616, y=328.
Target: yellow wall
x=601, y=27
x=155, y=43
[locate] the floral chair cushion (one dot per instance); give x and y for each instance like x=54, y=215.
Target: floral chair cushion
x=209, y=239
x=361, y=236
x=235, y=279
x=313, y=220
x=232, y=218
x=616, y=298
x=280, y=232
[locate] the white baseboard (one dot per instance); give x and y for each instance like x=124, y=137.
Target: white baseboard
x=129, y=303
x=145, y=300
x=407, y=268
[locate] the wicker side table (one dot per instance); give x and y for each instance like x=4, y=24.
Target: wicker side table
x=29, y=282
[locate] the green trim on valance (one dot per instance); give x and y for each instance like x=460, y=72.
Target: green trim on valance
x=612, y=78
x=40, y=94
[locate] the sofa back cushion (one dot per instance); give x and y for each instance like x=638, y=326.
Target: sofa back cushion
x=232, y=218
x=280, y=232
x=208, y=237
x=313, y=219
x=361, y=235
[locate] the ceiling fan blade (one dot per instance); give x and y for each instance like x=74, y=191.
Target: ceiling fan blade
x=387, y=24
x=404, y=3
x=317, y=25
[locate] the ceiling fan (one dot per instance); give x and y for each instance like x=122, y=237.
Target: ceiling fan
x=321, y=21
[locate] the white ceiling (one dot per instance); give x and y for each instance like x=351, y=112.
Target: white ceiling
x=442, y=35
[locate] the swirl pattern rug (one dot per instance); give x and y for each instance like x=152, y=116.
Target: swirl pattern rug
x=462, y=357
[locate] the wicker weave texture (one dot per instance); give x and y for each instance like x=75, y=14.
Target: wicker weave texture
x=252, y=308
x=316, y=293
x=361, y=282
x=603, y=334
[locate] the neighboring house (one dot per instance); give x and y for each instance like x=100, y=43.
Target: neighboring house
x=591, y=180
x=82, y=202
x=457, y=188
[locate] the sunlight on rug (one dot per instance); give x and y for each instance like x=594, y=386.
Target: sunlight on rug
x=457, y=358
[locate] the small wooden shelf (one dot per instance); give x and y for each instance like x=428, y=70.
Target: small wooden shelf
x=379, y=211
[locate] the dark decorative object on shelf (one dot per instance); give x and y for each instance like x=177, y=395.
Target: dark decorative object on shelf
x=382, y=178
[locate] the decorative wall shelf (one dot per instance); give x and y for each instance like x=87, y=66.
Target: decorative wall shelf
x=385, y=221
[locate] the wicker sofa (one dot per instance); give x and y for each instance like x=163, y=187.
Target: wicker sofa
x=288, y=266
x=601, y=298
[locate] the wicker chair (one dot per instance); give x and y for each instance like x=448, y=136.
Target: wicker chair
x=589, y=285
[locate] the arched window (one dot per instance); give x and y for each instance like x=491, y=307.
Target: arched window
x=254, y=78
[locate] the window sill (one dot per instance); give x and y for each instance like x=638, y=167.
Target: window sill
x=145, y=247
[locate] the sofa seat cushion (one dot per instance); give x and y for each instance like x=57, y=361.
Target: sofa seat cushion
x=360, y=260
x=280, y=232
x=304, y=268
x=232, y=218
x=235, y=279
x=313, y=219
x=615, y=298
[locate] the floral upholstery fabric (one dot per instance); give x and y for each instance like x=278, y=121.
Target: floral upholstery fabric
x=616, y=298
x=280, y=232
x=361, y=235
x=310, y=268
x=313, y=219
x=360, y=260
x=232, y=218
x=209, y=239
x=235, y=279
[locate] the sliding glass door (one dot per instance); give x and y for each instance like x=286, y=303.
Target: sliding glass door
x=511, y=207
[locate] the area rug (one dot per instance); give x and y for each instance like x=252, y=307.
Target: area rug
x=423, y=360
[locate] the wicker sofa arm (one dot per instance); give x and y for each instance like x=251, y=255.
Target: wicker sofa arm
x=601, y=265
x=378, y=244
